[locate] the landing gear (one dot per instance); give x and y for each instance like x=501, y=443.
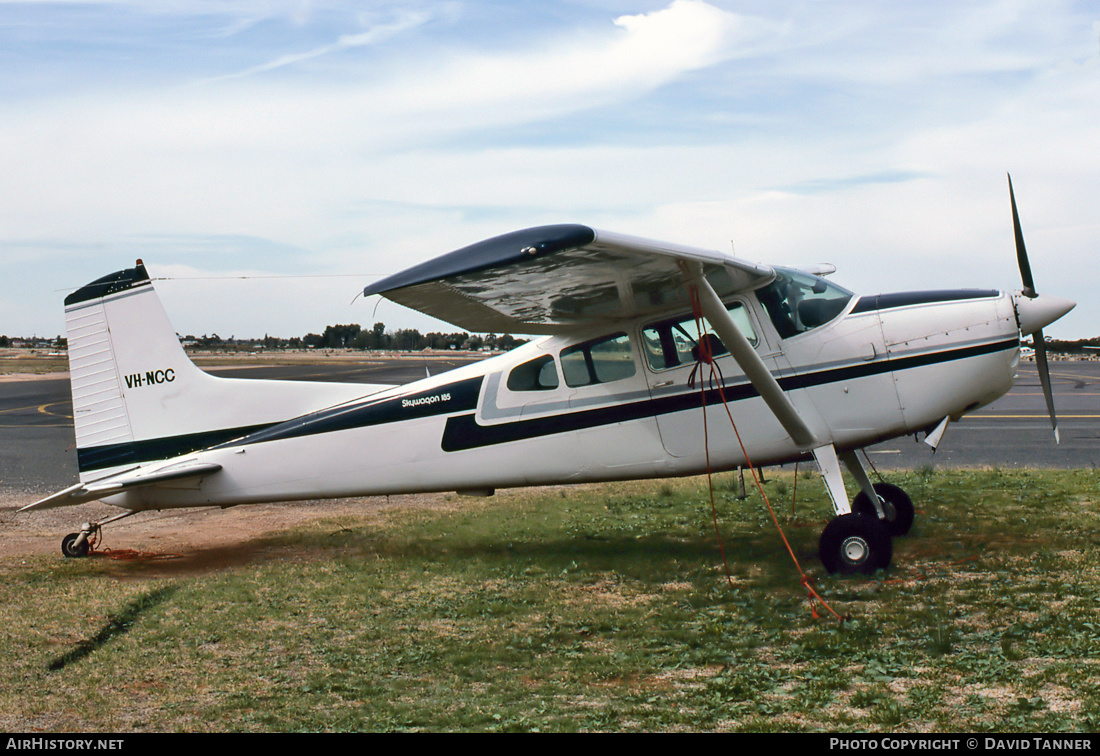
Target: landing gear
x=77, y=545
x=860, y=538
x=896, y=506
x=856, y=544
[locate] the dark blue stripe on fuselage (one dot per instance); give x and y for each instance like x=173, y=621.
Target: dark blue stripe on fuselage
x=150, y=450
x=456, y=397
x=909, y=298
x=464, y=432
x=441, y=400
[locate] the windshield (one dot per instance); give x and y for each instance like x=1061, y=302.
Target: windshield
x=798, y=302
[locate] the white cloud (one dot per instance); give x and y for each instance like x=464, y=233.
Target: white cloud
x=376, y=34
x=812, y=133
x=228, y=156
x=458, y=90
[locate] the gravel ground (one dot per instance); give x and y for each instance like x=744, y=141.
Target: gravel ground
x=196, y=539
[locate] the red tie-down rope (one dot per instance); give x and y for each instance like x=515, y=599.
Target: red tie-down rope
x=706, y=356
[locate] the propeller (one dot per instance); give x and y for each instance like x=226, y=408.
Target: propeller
x=1033, y=312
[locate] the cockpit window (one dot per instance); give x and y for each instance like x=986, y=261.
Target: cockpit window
x=675, y=342
x=798, y=302
x=598, y=361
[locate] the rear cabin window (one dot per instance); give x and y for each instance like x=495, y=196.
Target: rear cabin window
x=534, y=375
x=675, y=342
x=601, y=360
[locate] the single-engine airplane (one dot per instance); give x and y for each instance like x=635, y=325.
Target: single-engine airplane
x=608, y=392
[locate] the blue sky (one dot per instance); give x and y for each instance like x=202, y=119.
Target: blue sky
x=268, y=158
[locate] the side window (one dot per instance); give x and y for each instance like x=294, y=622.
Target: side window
x=601, y=360
x=675, y=342
x=534, y=375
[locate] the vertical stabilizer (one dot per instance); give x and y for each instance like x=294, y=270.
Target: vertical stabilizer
x=99, y=407
x=138, y=397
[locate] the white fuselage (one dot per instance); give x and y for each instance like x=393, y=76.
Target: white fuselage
x=884, y=367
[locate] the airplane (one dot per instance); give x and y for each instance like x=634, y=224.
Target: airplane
x=610, y=390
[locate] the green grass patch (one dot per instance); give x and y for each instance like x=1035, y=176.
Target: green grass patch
x=23, y=361
x=596, y=608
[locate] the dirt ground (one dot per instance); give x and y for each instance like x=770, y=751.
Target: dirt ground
x=196, y=539
x=189, y=540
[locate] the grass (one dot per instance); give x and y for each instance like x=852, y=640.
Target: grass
x=31, y=362
x=602, y=608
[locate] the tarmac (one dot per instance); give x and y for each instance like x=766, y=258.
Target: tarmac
x=37, y=454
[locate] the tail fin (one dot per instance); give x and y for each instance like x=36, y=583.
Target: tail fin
x=137, y=397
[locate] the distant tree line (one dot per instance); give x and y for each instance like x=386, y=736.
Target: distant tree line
x=33, y=342
x=354, y=336
x=1080, y=346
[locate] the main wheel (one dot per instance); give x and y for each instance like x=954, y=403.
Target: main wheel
x=896, y=505
x=72, y=549
x=855, y=543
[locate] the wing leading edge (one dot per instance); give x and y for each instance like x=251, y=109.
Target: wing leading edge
x=554, y=279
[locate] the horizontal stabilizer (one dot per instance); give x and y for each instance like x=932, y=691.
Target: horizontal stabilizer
x=82, y=493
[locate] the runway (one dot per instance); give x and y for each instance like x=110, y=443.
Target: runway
x=1015, y=431
x=37, y=454
x=37, y=444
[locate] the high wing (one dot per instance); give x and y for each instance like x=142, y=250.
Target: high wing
x=554, y=279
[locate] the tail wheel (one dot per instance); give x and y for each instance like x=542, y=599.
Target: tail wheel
x=856, y=544
x=896, y=505
x=75, y=545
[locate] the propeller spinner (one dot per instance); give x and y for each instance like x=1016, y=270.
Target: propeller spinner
x=1034, y=311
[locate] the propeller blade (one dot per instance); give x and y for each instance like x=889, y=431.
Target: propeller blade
x=1021, y=251
x=1038, y=341
x=1044, y=378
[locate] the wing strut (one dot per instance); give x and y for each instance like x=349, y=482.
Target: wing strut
x=747, y=358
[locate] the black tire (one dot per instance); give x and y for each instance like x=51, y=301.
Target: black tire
x=897, y=506
x=72, y=549
x=855, y=544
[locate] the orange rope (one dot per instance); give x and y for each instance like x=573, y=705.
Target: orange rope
x=812, y=596
x=794, y=489
x=705, y=355
x=134, y=555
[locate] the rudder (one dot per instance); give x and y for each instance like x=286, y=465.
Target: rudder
x=138, y=397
